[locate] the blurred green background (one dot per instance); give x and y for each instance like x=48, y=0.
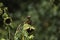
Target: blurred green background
x=45, y=15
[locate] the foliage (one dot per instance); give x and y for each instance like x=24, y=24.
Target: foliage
x=45, y=15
